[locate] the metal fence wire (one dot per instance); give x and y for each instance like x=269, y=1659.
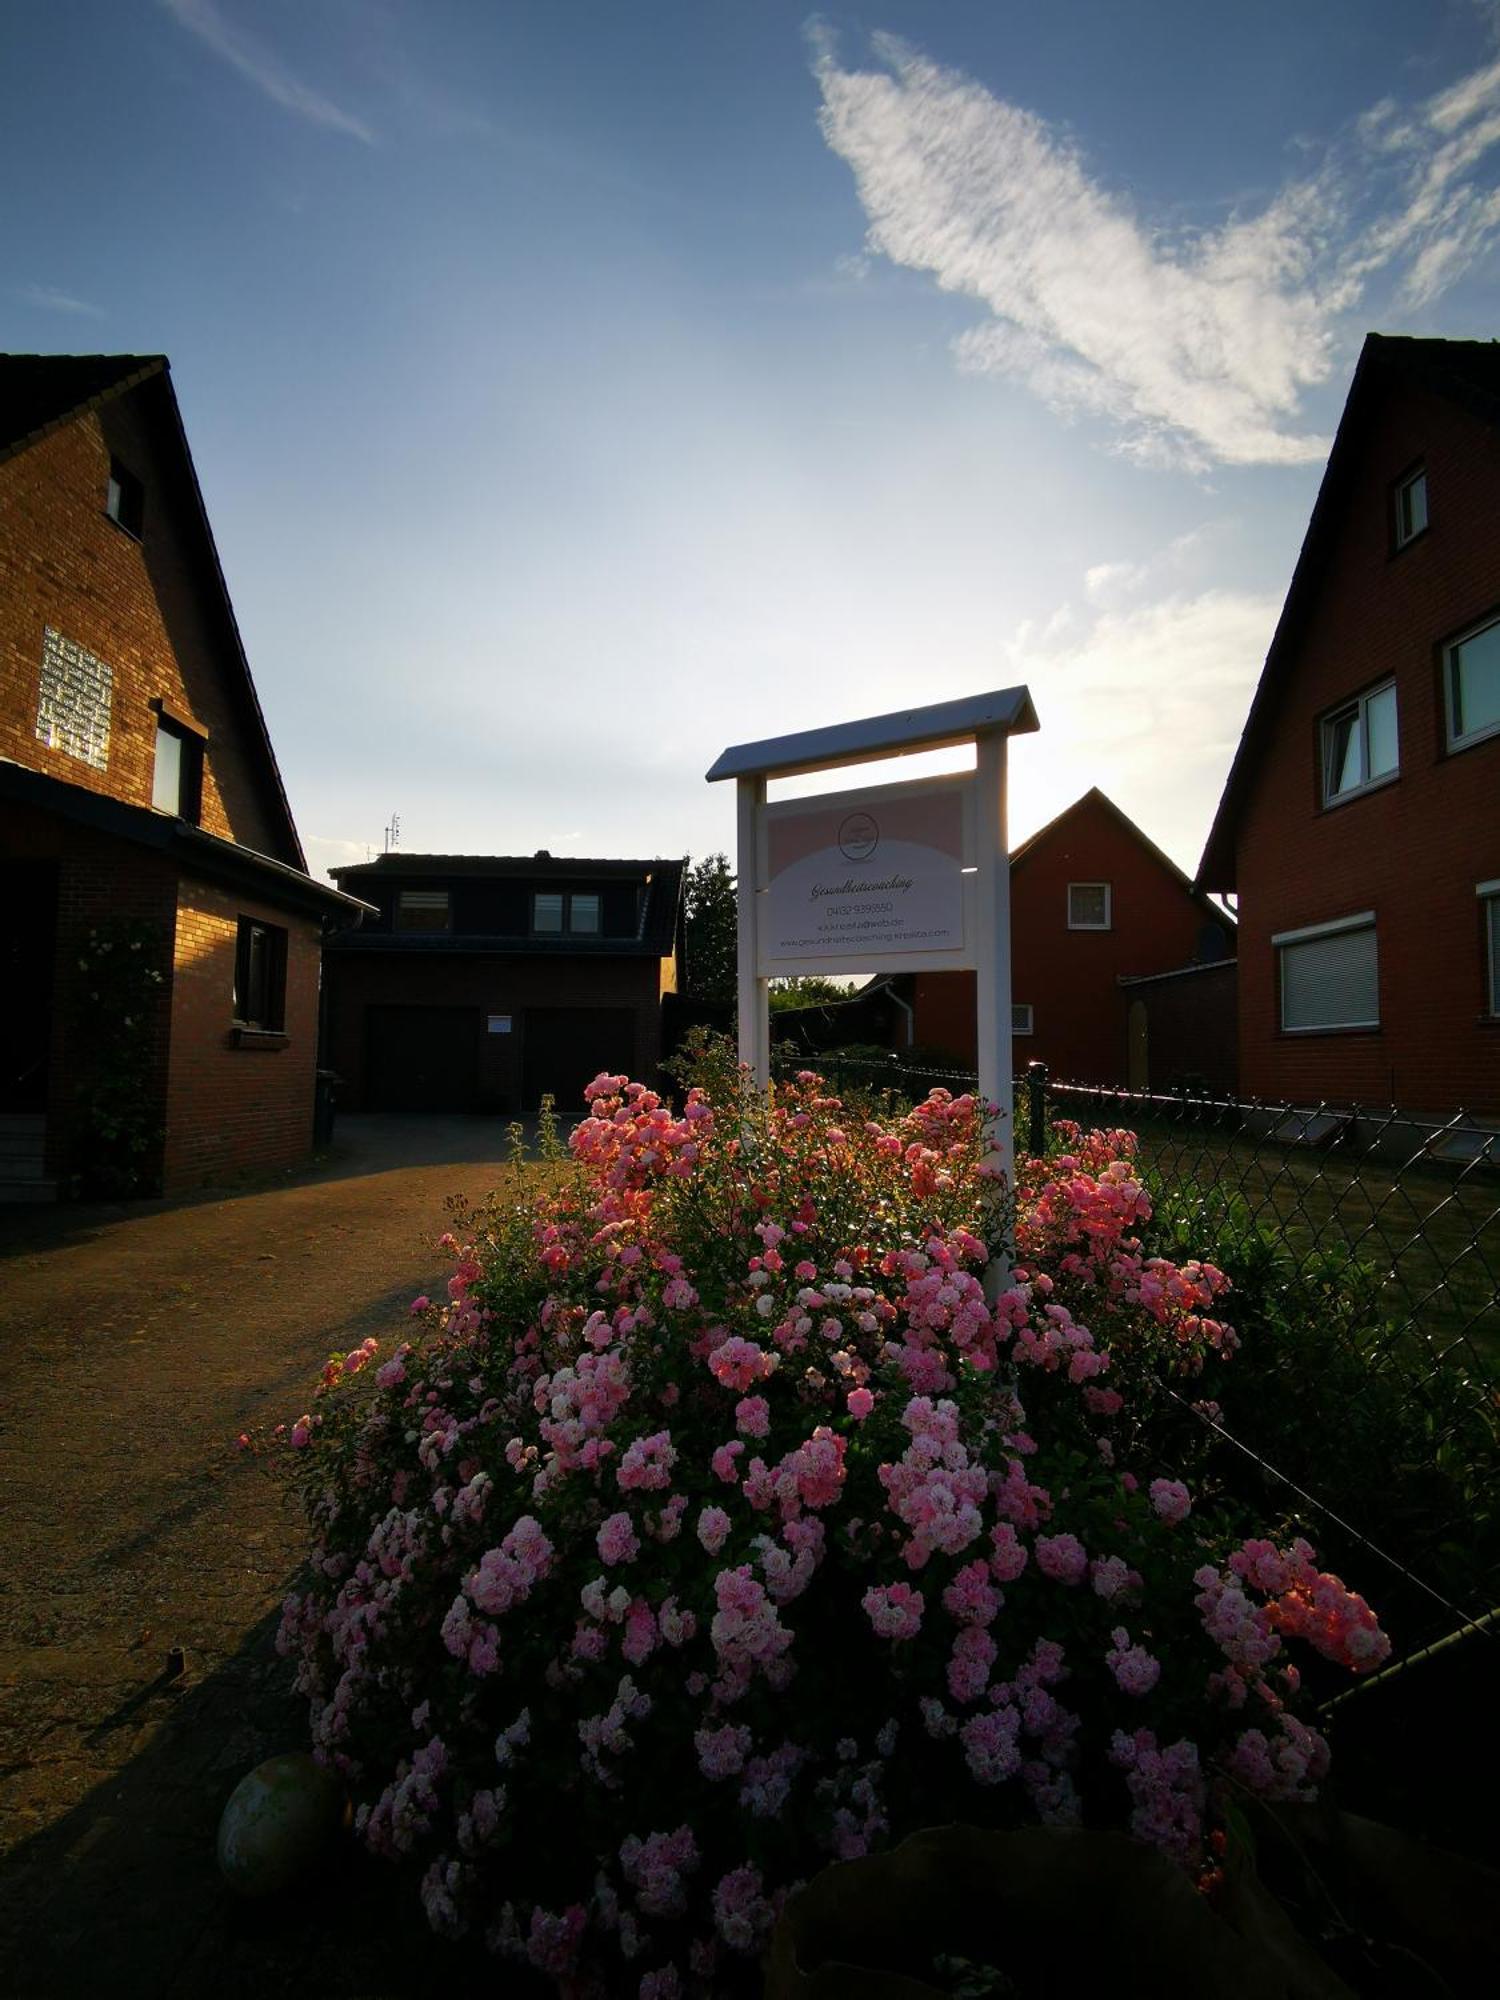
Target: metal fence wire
x=1363, y=1246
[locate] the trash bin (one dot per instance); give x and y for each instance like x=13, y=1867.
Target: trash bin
x=324, y=1105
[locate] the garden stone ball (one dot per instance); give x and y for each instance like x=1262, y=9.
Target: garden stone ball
x=277, y=1824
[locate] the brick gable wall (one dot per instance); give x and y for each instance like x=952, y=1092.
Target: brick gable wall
x=136, y=605
x=1413, y=850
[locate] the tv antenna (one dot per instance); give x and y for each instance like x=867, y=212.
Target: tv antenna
x=393, y=834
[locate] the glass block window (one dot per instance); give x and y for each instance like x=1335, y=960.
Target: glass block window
x=73, y=709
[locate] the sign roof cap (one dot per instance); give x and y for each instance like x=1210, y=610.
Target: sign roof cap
x=1004, y=712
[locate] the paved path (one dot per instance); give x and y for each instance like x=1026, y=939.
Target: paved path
x=135, y=1343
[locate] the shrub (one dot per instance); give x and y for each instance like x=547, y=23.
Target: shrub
x=719, y=1524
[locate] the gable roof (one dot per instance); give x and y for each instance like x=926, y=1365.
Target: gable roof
x=39, y=393
x=1466, y=372
x=1097, y=798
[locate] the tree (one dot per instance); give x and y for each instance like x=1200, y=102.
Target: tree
x=808, y=989
x=711, y=930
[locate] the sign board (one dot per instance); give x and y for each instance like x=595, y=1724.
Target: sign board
x=876, y=876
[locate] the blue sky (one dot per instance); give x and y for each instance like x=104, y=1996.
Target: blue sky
x=577, y=388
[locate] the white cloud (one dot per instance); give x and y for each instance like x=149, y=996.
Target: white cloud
x=259, y=66
x=1195, y=351
x=49, y=299
x=1146, y=701
x=324, y=852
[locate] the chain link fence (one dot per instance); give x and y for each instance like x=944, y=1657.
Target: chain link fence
x=1363, y=1407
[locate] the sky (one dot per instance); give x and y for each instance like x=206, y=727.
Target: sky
x=577, y=389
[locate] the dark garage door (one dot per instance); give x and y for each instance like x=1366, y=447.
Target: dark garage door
x=422, y=1058
x=566, y=1047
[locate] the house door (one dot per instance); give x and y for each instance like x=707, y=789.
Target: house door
x=27, y=946
x=566, y=1048
x=1137, y=1063
x=422, y=1058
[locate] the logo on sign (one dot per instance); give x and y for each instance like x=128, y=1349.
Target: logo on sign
x=859, y=836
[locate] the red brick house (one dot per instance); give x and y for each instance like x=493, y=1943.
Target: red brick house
x=484, y=982
x=1095, y=904
x=1360, y=825
x=159, y=997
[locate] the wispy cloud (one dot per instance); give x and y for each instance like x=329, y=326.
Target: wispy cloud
x=259, y=66
x=49, y=299
x=1195, y=350
x=1130, y=692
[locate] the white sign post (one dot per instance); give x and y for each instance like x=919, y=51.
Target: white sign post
x=907, y=877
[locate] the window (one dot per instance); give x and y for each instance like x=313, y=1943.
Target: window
x=1411, y=507
x=260, y=976
x=125, y=499
x=1473, y=685
x=1088, y=906
x=1359, y=744
x=1329, y=976
x=177, y=783
x=1489, y=909
x=574, y=911
x=421, y=909
x=1020, y=1018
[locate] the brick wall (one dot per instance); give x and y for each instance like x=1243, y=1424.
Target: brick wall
x=236, y=1106
x=1070, y=978
x=139, y=606
x=1413, y=850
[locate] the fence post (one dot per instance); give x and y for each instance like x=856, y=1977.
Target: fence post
x=1036, y=1106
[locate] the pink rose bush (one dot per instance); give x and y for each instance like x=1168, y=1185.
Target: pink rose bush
x=720, y=1524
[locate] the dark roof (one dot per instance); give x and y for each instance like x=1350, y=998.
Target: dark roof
x=656, y=936
x=1467, y=372
x=41, y=392
x=1095, y=797
x=542, y=866
x=192, y=848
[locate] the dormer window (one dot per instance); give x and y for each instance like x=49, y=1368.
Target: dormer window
x=565, y=913
x=1411, y=506
x=125, y=499
x=421, y=909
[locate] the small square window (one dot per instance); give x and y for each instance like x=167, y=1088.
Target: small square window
x=1020, y=1018
x=1360, y=744
x=177, y=780
x=125, y=499
x=1473, y=685
x=1411, y=507
x=547, y=913
x=1089, y=906
x=260, y=976
x=422, y=910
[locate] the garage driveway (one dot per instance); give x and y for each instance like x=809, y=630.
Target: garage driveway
x=135, y=1343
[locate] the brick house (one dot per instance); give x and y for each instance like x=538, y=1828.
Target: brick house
x=141, y=814
x=484, y=982
x=1360, y=824
x=1094, y=906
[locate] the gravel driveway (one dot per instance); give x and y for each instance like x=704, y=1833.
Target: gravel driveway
x=135, y=1343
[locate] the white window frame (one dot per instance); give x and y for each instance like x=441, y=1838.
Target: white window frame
x=1415, y=479
x=1359, y=706
x=1364, y=921
x=1021, y=1018
x=1109, y=906
x=1489, y=893
x=1450, y=670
